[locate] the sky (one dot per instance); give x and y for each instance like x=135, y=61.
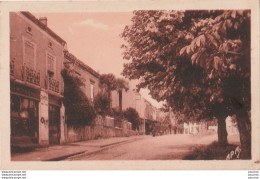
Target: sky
x=94, y=38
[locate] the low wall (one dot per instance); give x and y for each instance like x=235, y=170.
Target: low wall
x=75, y=134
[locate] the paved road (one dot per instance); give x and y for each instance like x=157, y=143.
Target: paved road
x=168, y=147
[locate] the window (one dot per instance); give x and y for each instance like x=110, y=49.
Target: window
x=29, y=30
x=29, y=54
x=50, y=45
x=51, y=65
x=92, y=91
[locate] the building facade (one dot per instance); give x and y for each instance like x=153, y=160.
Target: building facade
x=86, y=73
x=36, y=86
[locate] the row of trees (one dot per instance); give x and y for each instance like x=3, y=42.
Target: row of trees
x=81, y=111
x=196, y=61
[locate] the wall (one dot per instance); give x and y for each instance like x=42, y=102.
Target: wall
x=43, y=120
x=96, y=131
x=89, y=79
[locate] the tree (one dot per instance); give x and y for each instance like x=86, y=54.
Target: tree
x=198, y=61
x=102, y=103
x=109, y=83
x=226, y=59
x=79, y=110
x=132, y=116
x=154, y=41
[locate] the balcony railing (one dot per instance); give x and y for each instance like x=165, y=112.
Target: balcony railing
x=30, y=75
x=54, y=85
x=12, y=67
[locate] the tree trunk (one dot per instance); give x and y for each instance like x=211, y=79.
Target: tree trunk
x=120, y=100
x=244, y=127
x=222, y=131
x=110, y=101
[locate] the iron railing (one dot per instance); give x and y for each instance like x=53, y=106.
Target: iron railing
x=54, y=85
x=30, y=75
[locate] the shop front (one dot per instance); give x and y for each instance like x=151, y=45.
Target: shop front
x=37, y=118
x=24, y=114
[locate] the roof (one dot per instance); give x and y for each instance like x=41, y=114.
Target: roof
x=43, y=27
x=81, y=64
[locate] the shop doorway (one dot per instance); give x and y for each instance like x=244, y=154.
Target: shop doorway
x=54, y=124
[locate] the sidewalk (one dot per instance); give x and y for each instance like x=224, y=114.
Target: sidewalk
x=60, y=152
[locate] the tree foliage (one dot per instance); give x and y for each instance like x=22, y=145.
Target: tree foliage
x=108, y=82
x=132, y=116
x=198, y=61
x=79, y=110
x=154, y=40
x=102, y=103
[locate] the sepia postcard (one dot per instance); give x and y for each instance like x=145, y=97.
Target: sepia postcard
x=136, y=85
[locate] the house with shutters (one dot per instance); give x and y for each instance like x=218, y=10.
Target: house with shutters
x=36, y=85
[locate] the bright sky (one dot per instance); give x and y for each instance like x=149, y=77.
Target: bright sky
x=94, y=39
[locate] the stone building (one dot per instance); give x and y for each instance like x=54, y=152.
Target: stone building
x=86, y=73
x=36, y=86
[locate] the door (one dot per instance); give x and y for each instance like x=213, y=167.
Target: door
x=54, y=124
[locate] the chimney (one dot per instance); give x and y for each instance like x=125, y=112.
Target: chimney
x=43, y=20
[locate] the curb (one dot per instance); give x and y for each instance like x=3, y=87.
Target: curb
x=64, y=156
x=114, y=143
x=86, y=153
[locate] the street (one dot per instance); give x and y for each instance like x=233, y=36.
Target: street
x=168, y=147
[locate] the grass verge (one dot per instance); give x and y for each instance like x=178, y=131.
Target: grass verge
x=210, y=152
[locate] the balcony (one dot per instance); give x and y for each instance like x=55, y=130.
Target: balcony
x=12, y=67
x=30, y=75
x=53, y=85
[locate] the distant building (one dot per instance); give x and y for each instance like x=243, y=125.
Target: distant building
x=146, y=111
x=150, y=111
x=36, y=60
x=195, y=127
x=129, y=98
